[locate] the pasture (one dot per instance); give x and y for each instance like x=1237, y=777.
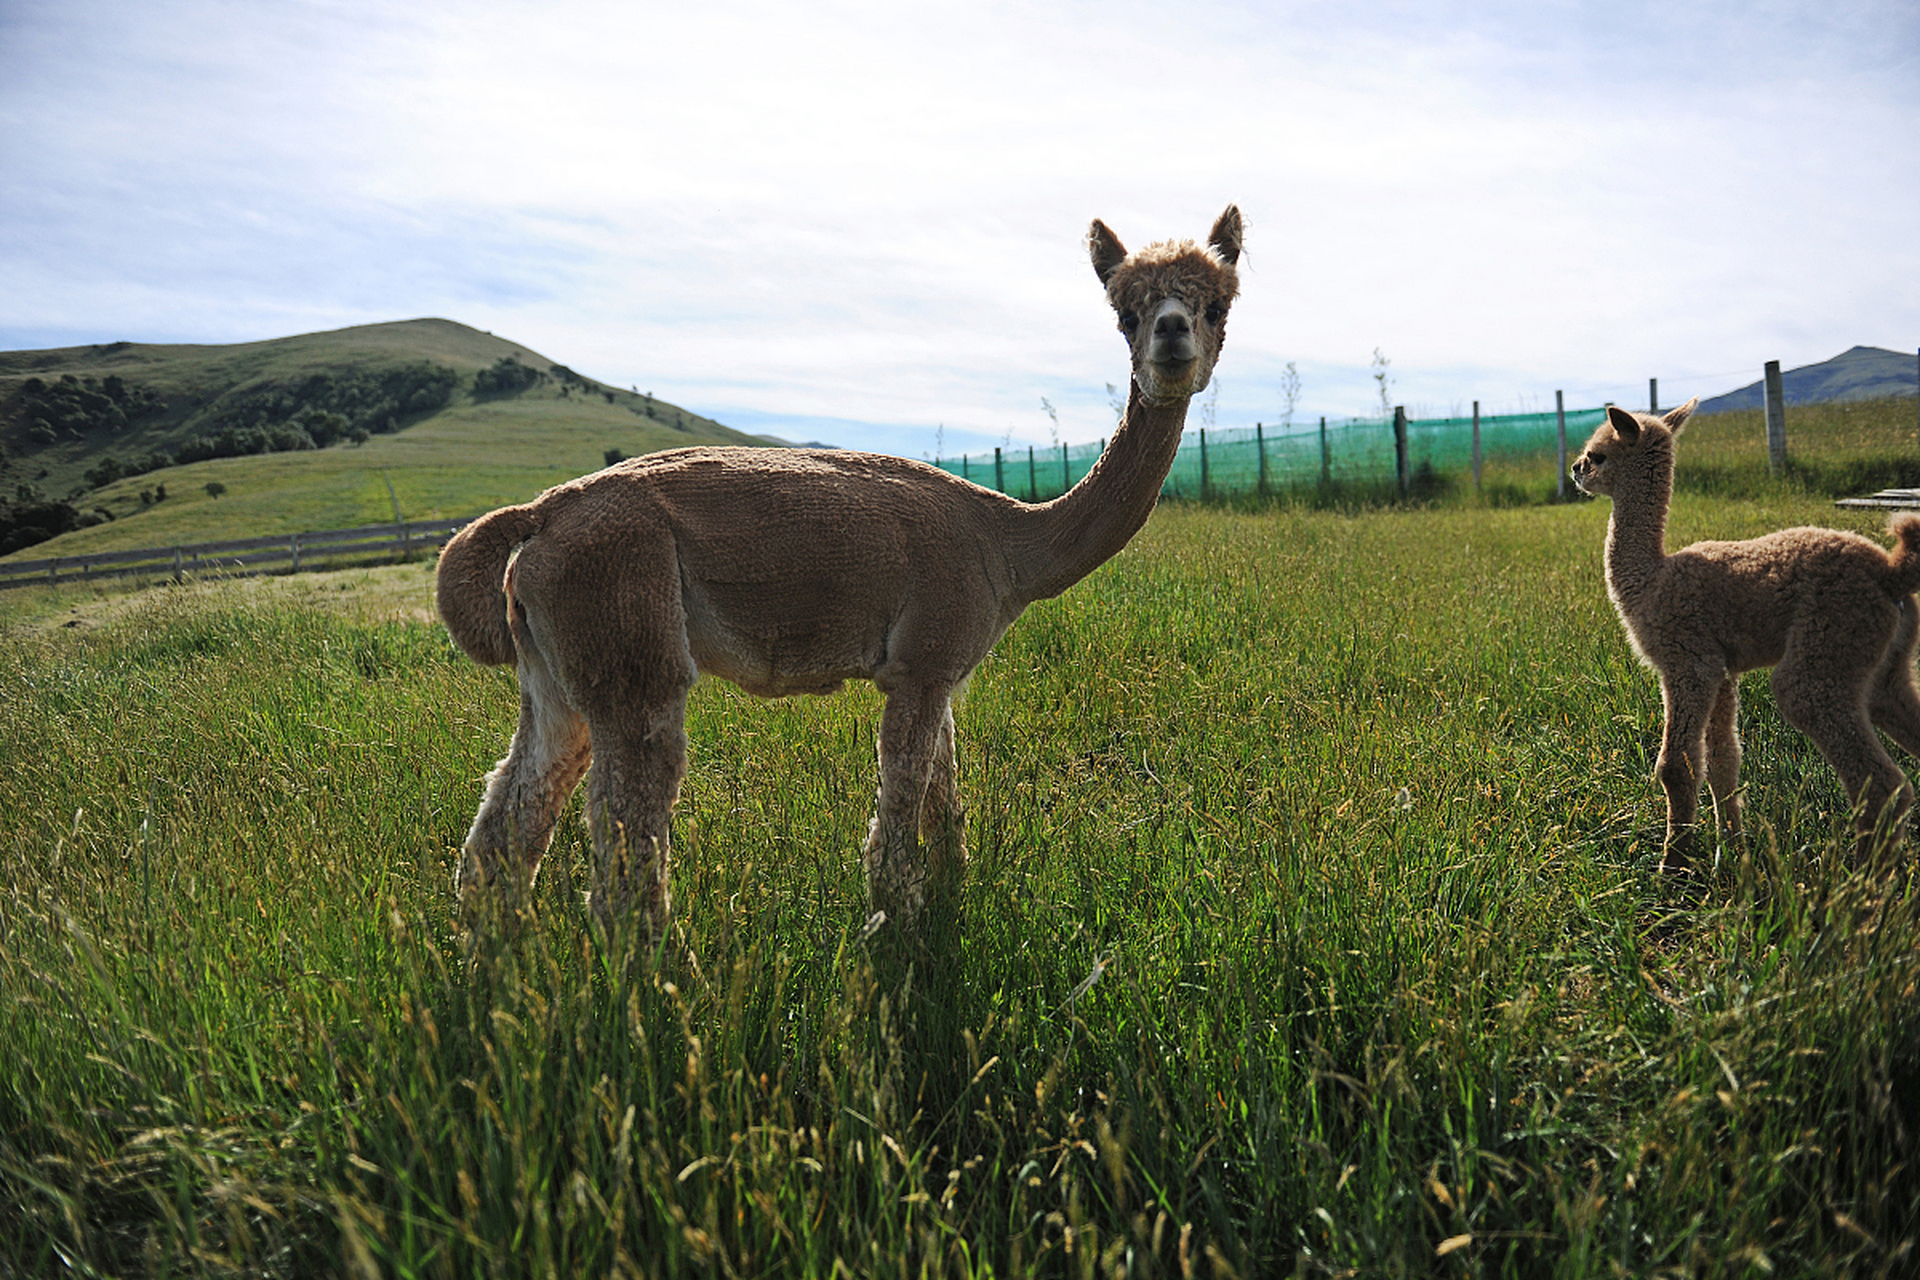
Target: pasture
x=1309, y=929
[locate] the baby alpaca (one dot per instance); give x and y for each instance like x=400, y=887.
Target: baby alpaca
x=1832, y=613
x=791, y=571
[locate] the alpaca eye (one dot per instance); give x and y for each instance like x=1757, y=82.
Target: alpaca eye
x=1215, y=313
x=1129, y=322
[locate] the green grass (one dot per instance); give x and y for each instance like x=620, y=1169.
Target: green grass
x=465, y=460
x=1309, y=928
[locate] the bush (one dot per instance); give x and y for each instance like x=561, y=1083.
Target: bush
x=32, y=519
x=75, y=406
x=507, y=377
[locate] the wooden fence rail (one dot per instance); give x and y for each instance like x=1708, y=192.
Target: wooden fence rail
x=240, y=557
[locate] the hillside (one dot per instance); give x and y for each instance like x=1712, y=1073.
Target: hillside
x=1861, y=373
x=306, y=432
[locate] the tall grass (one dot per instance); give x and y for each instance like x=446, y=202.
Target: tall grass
x=1310, y=927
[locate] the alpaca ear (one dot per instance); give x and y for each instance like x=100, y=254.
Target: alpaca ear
x=1624, y=424
x=1225, y=236
x=1108, y=253
x=1677, y=418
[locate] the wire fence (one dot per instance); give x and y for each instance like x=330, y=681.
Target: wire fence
x=1260, y=460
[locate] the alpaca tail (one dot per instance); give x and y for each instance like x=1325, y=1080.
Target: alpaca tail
x=470, y=588
x=1904, y=564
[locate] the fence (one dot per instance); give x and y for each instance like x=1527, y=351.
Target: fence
x=1261, y=460
x=242, y=557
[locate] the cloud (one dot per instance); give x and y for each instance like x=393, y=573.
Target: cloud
x=872, y=213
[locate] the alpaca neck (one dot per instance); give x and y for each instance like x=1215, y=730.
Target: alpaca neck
x=1637, y=535
x=1062, y=541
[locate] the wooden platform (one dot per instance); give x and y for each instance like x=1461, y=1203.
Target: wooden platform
x=1885, y=500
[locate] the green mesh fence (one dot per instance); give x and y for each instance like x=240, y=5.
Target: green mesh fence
x=1240, y=461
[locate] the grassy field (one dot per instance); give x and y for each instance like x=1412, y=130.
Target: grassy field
x=1309, y=928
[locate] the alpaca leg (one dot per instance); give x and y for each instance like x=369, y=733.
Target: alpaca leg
x=636, y=778
x=1892, y=700
x=1833, y=713
x=909, y=731
x=943, y=819
x=525, y=794
x=1681, y=768
x=1723, y=754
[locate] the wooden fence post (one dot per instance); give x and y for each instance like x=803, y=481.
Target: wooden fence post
x=1033, y=478
x=1203, y=464
x=1560, y=413
x=999, y=471
x=1653, y=395
x=1400, y=468
x=1476, y=446
x=1066, y=477
x=1326, y=454
x=1776, y=419
x=1260, y=446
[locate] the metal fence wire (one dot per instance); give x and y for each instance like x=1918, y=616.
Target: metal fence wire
x=1241, y=461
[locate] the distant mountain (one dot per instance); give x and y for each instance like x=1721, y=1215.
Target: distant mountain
x=322, y=430
x=64, y=411
x=1862, y=373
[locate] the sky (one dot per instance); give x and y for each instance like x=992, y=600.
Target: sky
x=863, y=223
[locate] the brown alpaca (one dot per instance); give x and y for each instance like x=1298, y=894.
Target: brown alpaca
x=1832, y=613
x=791, y=571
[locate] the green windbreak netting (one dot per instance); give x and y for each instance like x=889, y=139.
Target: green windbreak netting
x=1237, y=461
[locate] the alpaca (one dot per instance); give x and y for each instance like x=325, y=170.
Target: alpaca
x=792, y=571
x=1832, y=613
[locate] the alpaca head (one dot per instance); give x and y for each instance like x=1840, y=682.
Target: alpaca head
x=1638, y=445
x=1172, y=299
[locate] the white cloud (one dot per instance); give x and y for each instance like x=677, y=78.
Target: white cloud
x=872, y=212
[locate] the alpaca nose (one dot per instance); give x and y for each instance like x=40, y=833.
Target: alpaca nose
x=1173, y=336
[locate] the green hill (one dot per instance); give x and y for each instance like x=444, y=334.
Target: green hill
x=323, y=430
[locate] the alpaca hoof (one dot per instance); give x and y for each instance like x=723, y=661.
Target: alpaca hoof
x=1676, y=859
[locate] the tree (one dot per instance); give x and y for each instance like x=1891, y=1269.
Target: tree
x=215, y=488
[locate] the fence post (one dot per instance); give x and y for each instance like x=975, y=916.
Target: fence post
x=999, y=471
x=1203, y=464
x=1400, y=449
x=1033, y=478
x=964, y=472
x=1066, y=478
x=1260, y=446
x=1326, y=455
x=1476, y=446
x=1776, y=419
x=1560, y=413
x=1653, y=395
